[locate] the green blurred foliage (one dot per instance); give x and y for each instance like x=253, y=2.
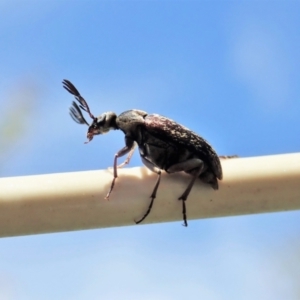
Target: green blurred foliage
x=19, y=109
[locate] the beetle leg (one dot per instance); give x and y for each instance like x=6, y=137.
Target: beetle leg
x=228, y=156
x=193, y=163
x=156, y=170
x=127, y=160
x=153, y=196
x=129, y=145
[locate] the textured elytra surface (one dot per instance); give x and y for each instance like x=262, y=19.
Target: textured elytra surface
x=170, y=131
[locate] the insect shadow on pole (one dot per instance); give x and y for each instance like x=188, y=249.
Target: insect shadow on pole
x=163, y=145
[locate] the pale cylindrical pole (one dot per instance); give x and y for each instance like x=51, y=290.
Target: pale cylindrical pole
x=75, y=201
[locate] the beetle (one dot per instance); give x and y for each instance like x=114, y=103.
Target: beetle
x=163, y=145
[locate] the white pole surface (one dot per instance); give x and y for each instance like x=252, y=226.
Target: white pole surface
x=75, y=201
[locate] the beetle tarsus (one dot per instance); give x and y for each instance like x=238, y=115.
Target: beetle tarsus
x=228, y=156
x=185, y=224
x=147, y=212
x=111, y=188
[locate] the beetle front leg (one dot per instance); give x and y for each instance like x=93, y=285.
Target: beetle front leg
x=129, y=145
x=127, y=160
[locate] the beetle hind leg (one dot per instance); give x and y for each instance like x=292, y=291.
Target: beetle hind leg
x=197, y=167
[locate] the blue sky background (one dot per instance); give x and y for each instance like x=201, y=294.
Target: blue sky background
x=228, y=70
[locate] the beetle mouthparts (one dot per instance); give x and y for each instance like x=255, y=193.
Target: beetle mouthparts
x=89, y=136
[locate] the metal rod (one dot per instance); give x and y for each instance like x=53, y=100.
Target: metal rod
x=75, y=201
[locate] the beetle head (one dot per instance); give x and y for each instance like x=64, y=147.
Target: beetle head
x=104, y=123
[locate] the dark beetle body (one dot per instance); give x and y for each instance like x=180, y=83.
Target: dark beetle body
x=163, y=145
